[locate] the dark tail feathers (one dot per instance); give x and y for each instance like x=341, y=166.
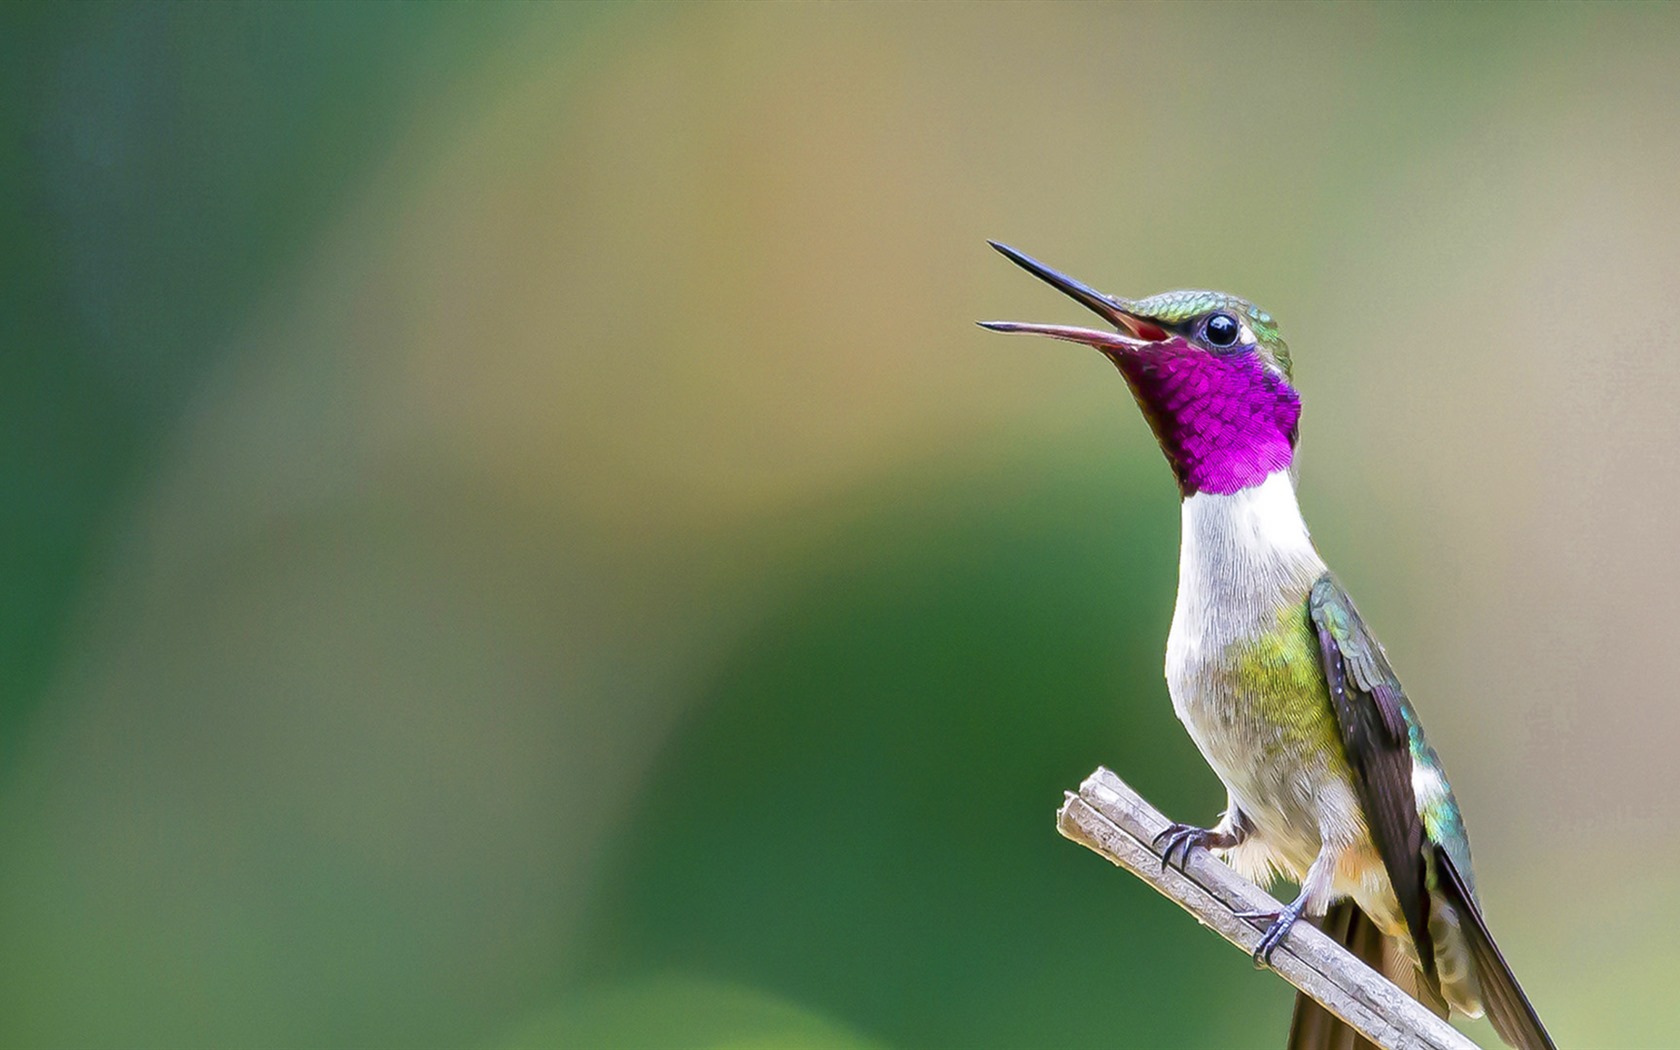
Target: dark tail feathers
x=1507, y=1007
x=1315, y=1028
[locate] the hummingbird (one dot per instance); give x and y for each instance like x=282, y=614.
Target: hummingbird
x=1286, y=693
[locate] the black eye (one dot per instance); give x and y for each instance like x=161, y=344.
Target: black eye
x=1222, y=329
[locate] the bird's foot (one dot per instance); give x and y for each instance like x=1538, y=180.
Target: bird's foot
x=1281, y=923
x=1184, y=838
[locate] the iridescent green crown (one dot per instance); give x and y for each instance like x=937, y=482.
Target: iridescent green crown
x=1172, y=309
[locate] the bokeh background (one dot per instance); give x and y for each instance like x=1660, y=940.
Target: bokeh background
x=512, y=539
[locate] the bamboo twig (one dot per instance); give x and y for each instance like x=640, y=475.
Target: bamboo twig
x=1111, y=819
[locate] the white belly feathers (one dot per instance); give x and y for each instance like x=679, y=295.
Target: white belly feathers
x=1244, y=557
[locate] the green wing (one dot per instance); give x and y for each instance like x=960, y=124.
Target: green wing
x=1383, y=741
x=1371, y=713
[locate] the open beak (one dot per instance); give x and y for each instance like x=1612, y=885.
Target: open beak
x=1131, y=332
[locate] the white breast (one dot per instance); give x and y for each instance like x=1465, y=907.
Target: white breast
x=1245, y=558
x=1240, y=555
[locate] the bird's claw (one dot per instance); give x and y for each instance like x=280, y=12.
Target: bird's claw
x=1281, y=923
x=1183, y=838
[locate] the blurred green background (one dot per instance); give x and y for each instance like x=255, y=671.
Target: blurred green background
x=512, y=538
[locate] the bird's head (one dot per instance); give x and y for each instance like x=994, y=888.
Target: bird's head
x=1208, y=369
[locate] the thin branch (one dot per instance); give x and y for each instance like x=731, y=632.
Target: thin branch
x=1113, y=820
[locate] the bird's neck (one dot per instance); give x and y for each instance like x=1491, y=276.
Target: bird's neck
x=1226, y=423
x=1245, y=556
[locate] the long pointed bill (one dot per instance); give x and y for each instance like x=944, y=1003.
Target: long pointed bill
x=1132, y=332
